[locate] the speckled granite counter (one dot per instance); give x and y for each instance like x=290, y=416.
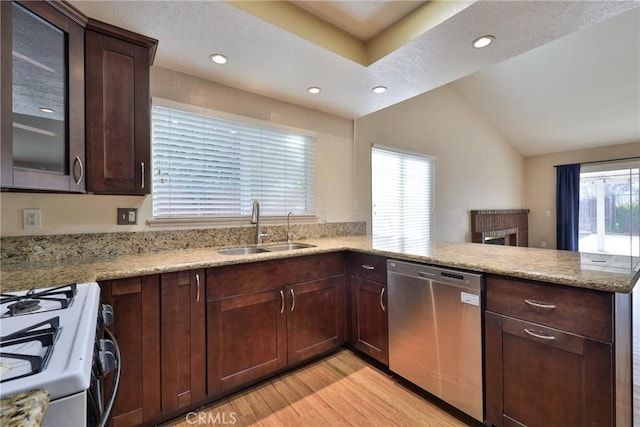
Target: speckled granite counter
x=601, y=272
x=24, y=409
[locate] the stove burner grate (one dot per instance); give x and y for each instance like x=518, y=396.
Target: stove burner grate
x=55, y=298
x=44, y=332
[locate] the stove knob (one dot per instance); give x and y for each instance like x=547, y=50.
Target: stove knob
x=107, y=345
x=108, y=361
x=107, y=315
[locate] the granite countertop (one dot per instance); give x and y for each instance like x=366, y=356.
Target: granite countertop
x=24, y=409
x=592, y=271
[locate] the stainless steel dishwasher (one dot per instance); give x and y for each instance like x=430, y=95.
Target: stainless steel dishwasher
x=435, y=332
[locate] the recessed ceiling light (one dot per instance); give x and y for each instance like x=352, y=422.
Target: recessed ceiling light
x=483, y=41
x=47, y=110
x=218, y=58
x=379, y=89
x=313, y=90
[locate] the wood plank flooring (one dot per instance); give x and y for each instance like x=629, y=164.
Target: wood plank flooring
x=340, y=390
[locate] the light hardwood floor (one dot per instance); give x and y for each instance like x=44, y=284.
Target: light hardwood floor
x=340, y=390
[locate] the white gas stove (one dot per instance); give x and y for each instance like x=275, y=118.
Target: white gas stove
x=52, y=339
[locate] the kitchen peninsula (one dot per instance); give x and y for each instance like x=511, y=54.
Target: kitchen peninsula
x=590, y=322
x=609, y=273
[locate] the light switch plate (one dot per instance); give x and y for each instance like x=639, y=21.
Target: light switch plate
x=31, y=219
x=127, y=216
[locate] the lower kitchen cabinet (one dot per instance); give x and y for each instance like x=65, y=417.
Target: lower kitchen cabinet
x=136, y=306
x=316, y=318
x=182, y=343
x=246, y=339
x=265, y=316
x=368, y=305
x=160, y=328
x=548, y=355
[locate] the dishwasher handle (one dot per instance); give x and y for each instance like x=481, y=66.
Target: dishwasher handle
x=461, y=279
x=449, y=276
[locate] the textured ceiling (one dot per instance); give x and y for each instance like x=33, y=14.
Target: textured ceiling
x=543, y=103
x=270, y=61
x=362, y=19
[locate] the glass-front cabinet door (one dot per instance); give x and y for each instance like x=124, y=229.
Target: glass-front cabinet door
x=43, y=100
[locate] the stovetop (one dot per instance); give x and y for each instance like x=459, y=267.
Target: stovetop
x=37, y=301
x=49, y=342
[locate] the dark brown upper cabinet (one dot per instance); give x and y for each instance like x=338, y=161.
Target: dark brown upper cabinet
x=118, y=116
x=42, y=133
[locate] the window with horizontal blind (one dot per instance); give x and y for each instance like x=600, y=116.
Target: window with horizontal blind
x=206, y=166
x=403, y=198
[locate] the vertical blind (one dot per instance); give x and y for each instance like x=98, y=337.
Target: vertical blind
x=403, y=197
x=206, y=166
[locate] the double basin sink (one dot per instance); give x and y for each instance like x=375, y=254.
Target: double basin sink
x=258, y=250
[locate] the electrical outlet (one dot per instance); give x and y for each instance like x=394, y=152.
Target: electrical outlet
x=127, y=216
x=543, y=244
x=31, y=219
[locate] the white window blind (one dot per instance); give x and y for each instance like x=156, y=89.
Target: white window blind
x=403, y=198
x=206, y=166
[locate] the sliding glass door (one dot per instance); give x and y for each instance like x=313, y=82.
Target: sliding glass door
x=610, y=208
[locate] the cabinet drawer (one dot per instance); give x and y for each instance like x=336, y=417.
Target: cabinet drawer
x=579, y=311
x=367, y=266
x=240, y=279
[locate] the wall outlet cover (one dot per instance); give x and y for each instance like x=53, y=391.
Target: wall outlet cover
x=31, y=219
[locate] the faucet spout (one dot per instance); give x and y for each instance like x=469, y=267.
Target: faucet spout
x=289, y=233
x=255, y=219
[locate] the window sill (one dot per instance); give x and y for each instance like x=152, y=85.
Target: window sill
x=229, y=221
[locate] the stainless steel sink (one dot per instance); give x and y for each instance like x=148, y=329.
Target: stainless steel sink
x=242, y=251
x=259, y=250
x=288, y=246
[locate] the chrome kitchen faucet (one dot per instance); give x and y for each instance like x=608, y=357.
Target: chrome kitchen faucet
x=255, y=219
x=289, y=233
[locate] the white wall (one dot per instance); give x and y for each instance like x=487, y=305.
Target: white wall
x=476, y=168
x=540, y=187
x=73, y=213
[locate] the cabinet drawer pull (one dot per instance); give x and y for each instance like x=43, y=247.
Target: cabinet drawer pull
x=540, y=335
x=142, y=171
x=381, y=302
x=368, y=267
x=281, y=301
x=539, y=304
x=198, y=287
x=78, y=162
x=293, y=299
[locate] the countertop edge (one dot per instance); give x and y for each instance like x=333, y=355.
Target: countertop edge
x=126, y=266
x=24, y=409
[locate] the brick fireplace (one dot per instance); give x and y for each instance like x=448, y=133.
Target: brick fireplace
x=508, y=227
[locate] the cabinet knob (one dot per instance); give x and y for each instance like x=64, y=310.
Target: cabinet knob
x=368, y=267
x=293, y=299
x=142, y=172
x=381, y=301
